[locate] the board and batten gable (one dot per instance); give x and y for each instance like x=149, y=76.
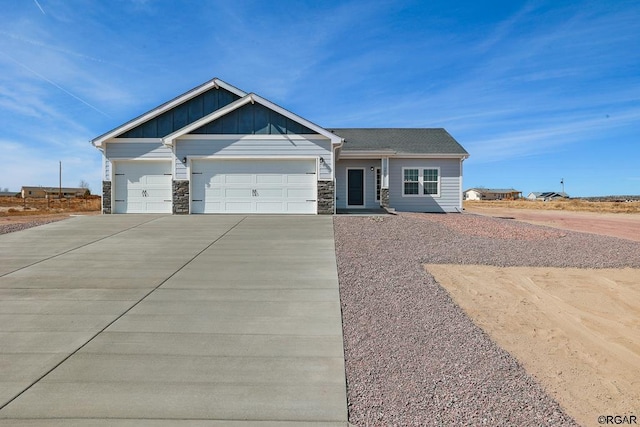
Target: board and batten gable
x=254, y=146
x=182, y=114
x=450, y=185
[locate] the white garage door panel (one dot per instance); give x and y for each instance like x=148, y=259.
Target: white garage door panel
x=238, y=179
x=269, y=179
x=297, y=194
x=253, y=186
x=297, y=179
x=231, y=193
x=142, y=187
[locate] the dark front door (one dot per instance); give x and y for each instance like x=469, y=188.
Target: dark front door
x=355, y=187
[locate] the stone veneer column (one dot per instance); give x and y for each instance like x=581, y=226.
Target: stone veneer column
x=180, y=197
x=106, y=197
x=326, y=197
x=384, y=197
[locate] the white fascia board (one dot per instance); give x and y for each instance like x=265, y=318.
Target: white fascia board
x=169, y=139
x=429, y=156
x=366, y=154
x=335, y=139
x=395, y=155
x=266, y=137
x=230, y=88
x=213, y=83
x=137, y=140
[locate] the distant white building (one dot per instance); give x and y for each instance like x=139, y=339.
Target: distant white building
x=548, y=195
x=51, y=192
x=492, y=194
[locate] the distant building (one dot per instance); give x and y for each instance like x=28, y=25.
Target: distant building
x=492, y=194
x=547, y=195
x=52, y=192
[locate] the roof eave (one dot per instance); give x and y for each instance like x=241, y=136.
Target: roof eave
x=253, y=98
x=169, y=139
x=213, y=83
x=352, y=154
x=335, y=139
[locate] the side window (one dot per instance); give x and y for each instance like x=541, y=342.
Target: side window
x=430, y=181
x=421, y=182
x=411, y=182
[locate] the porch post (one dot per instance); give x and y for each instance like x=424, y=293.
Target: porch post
x=384, y=185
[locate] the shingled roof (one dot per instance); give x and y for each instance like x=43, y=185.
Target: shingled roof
x=400, y=140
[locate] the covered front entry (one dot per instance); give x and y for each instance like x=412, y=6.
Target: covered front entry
x=274, y=186
x=142, y=187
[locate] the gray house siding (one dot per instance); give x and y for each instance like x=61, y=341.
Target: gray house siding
x=248, y=147
x=106, y=169
x=450, y=186
x=133, y=150
x=369, y=182
x=137, y=150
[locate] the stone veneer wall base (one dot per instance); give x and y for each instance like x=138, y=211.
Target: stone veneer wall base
x=181, y=197
x=326, y=197
x=384, y=197
x=106, y=197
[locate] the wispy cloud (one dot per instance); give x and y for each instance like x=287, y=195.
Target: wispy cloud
x=64, y=50
x=39, y=7
x=55, y=85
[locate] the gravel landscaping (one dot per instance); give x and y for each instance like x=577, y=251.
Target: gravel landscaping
x=412, y=356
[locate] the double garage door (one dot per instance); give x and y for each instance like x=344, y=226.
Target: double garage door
x=220, y=186
x=253, y=186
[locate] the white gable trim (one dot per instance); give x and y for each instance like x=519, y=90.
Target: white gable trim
x=335, y=139
x=169, y=139
x=253, y=98
x=214, y=83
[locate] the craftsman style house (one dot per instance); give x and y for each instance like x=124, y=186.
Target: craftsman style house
x=218, y=149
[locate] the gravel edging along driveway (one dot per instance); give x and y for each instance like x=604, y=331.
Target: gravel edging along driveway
x=412, y=356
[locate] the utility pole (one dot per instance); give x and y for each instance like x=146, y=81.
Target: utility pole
x=60, y=182
x=562, y=182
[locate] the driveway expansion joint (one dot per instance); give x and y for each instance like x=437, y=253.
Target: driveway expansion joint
x=123, y=313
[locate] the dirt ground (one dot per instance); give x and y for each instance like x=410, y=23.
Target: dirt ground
x=6, y=220
x=624, y=226
x=14, y=210
x=575, y=330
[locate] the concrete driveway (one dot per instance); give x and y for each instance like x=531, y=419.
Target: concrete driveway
x=169, y=320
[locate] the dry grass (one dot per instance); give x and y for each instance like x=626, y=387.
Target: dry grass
x=16, y=206
x=567, y=205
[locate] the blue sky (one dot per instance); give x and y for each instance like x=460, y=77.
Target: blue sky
x=536, y=91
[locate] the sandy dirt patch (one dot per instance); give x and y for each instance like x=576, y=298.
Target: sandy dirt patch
x=7, y=220
x=576, y=330
x=624, y=226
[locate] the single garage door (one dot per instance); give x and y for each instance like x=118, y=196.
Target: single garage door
x=274, y=186
x=142, y=187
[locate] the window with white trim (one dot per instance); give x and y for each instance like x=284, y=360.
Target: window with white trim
x=411, y=182
x=421, y=182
